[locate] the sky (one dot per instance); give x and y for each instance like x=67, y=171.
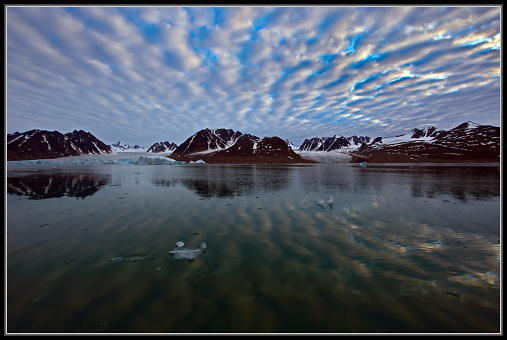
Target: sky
x=143, y=75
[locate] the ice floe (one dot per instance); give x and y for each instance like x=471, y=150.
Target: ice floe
x=189, y=253
x=322, y=203
x=132, y=258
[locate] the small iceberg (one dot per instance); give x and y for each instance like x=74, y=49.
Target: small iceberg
x=321, y=203
x=189, y=253
x=132, y=258
x=41, y=297
x=200, y=161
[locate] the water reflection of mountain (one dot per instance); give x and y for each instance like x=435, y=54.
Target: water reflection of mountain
x=228, y=181
x=164, y=182
x=461, y=182
x=42, y=186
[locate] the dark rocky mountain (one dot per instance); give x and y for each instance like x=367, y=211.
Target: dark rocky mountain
x=208, y=139
x=333, y=143
x=42, y=144
x=427, y=132
x=122, y=147
x=467, y=142
x=162, y=147
x=249, y=149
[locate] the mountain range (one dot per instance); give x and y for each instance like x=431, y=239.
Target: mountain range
x=467, y=142
x=333, y=143
x=42, y=144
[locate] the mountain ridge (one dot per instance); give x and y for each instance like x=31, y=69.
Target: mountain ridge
x=40, y=144
x=468, y=141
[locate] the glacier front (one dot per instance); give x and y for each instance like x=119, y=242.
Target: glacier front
x=135, y=158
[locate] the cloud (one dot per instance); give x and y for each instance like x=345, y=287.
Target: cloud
x=147, y=74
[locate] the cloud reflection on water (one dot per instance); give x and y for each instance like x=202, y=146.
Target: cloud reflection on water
x=379, y=260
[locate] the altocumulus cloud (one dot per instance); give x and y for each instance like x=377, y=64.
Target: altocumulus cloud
x=148, y=74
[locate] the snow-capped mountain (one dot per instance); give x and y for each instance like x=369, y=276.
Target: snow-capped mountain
x=207, y=140
x=466, y=142
x=249, y=149
x=333, y=143
x=123, y=147
x=425, y=134
x=38, y=144
x=162, y=147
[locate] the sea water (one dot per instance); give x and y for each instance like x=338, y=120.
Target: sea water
x=411, y=248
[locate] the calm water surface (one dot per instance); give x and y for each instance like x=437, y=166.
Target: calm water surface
x=379, y=259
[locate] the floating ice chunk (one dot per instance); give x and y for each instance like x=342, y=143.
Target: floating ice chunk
x=330, y=202
x=456, y=294
x=41, y=297
x=320, y=202
x=180, y=244
x=189, y=253
x=131, y=258
x=200, y=161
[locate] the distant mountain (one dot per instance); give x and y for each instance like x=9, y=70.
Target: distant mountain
x=122, y=147
x=42, y=144
x=162, y=147
x=333, y=143
x=467, y=142
x=208, y=139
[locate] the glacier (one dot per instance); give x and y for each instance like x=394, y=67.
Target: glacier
x=334, y=156
x=135, y=158
x=149, y=158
